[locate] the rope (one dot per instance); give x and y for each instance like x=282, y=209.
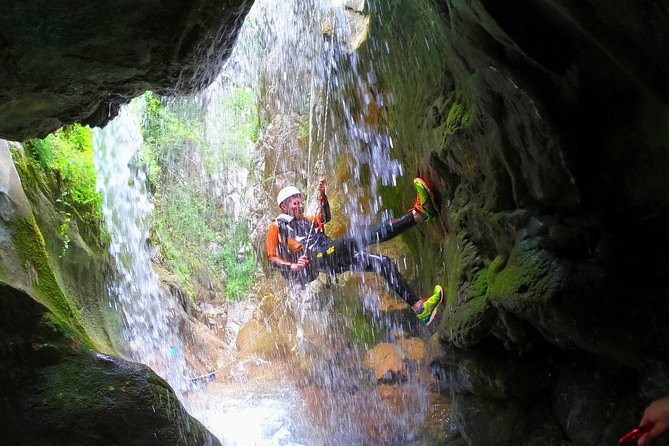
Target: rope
x=319, y=165
x=322, y=125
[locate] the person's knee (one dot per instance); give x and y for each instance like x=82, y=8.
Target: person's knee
x=387, y=265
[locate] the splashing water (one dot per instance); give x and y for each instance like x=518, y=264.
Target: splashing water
x=304, y=54
x=150, y=331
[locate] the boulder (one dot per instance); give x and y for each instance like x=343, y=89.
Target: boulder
x=57, y=390
x=394, y=363
x=81, y=62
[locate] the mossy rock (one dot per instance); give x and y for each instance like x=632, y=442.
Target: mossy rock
x=59, y=391
x=69, y=278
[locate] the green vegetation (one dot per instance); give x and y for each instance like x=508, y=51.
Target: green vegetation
x=303, y=129
x=67, y=156
x=198, y=241
x=167, y=137
x=243, y=124
x=460, y=116
x=237, y=260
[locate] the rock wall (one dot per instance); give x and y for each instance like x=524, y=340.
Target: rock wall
x=56, y=390
x=80, y=62
x=541, y=125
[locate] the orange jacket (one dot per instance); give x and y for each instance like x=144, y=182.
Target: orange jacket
x=280, y=258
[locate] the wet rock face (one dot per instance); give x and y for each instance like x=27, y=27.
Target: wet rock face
x=77, y=395
x=556, y=204
x=541, y=123
x=79, y=62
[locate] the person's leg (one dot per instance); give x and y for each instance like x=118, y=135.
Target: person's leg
x=389, y=229
x=385, y=267
x=344, y=255
x=422, y=210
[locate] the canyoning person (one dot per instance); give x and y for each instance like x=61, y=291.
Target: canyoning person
x=298, y=247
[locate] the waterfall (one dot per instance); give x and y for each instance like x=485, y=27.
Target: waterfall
x=297, y=61
x=150, y=333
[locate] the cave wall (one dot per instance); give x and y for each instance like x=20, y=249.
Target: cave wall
x=78, y=62
x=61, y=382
x=541, y=124
x=56, y=390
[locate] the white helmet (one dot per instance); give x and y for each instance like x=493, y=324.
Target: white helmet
x=287, y=192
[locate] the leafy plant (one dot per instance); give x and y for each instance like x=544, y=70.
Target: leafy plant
x=236, y=259
x=243, y=124
x=67, y=156
x=188, y=221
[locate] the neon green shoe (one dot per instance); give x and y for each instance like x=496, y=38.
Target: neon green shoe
x=424, y=200
x=431, y=306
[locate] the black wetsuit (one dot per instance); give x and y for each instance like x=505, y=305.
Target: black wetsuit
x=347, y=253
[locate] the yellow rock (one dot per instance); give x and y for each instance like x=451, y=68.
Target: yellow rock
x=394, y=362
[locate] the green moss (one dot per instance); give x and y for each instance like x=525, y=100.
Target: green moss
x=33, y=178
x=392, y=198
x=461, y=116
x=466, y=303
x=361, y=329
x=67, y=247
x=480, y=283
x=529, y=274
x=467, y=312
x=358, y=326
x=30, y=247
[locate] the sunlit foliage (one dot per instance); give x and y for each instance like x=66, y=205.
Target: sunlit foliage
x=67, y=156
x=196, y=237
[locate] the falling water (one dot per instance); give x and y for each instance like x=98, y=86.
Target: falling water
x=297, y=60
x=150, y=332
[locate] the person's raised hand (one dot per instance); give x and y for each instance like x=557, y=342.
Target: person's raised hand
x=657, y=414
x=321, y=186
x=301, y=263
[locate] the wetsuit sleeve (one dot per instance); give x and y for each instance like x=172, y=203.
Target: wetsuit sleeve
x=272, y=246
